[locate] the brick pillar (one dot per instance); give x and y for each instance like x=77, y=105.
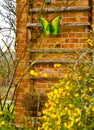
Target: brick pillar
x=20, y=53
x=92, y=13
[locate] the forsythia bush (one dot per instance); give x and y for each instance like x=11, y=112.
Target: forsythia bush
x=70, y=104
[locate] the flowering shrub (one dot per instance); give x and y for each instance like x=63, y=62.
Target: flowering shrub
x=70, y=104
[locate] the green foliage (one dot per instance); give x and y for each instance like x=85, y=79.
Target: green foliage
x=7, y=118
x=70, y=105
x=8, y=113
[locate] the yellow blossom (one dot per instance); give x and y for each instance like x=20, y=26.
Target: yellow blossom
x=69, y=125
x=58, y=122
x=1, y=112
x=65, y=124
x=77, y=119
x=78, y=111
x=45, y=74
x=33, y=73
x=2, y=122
x=55, y=91
x=90, y=42
x=80, y=124
x=76, y=95
x=92, y=108
x=71, y=105
x=57, y=65
x=66, y=109
x=90, y=89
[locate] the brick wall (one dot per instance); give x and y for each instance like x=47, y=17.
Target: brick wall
x=71, y=37
x=23, y=57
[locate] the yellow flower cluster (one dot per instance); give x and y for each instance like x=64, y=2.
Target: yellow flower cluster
x=35, y=74
x=57, y=65
x=43, y=74
x=70, y=105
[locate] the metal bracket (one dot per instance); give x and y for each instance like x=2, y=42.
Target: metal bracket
x=47, y=1
x=30, y=2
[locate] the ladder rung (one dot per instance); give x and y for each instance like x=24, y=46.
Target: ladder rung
x=62, y=9
x=30, y=25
